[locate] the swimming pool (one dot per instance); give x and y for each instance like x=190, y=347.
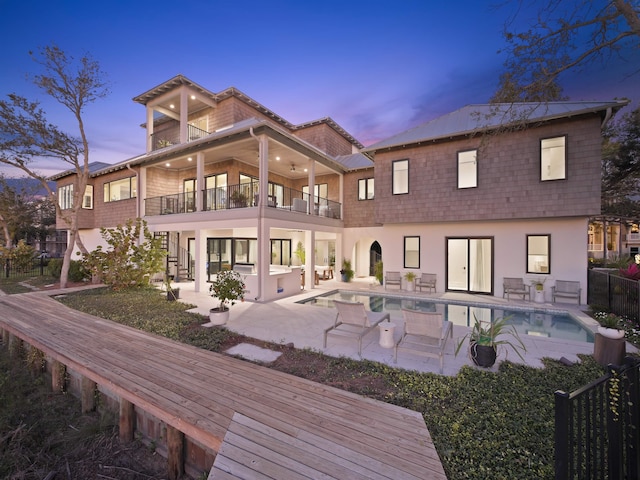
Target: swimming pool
x=538, y=323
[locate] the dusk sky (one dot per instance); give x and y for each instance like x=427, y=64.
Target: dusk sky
x=376, y=67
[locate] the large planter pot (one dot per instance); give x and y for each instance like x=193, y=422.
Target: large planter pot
x=611, y=332
x=217, y=317
x=173, y=294
x=344, y=277
x=483, y=355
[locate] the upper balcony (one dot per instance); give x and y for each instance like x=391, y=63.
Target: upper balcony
x=171, y=136
x=244, y=195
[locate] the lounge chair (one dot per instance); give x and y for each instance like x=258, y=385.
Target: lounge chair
x=425, y=333
x=427, y=280
x=353, y=320
x=392, y=278
x=566, y=289
x=515, y=286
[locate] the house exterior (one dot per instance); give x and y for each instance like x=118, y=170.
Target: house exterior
x=230, y=184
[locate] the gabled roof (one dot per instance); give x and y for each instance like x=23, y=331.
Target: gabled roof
x=474, y=119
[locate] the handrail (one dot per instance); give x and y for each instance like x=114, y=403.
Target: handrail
x=243, y=195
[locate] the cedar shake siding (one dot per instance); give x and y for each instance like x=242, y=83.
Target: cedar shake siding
x=508, y=175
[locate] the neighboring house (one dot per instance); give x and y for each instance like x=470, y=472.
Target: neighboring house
x=612, y=237
x=230, y=184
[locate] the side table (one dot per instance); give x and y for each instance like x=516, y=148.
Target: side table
x=386, y=334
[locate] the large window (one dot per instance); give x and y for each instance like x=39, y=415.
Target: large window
x=538, y=253
x=468, y=169
x=400, y=179
x=411, y=252
x=122, y=189
x=553, y=158
x=365, y=189
x=65, y=197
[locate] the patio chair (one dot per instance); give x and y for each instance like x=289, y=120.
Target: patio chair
x=354, y=321
x=425, y=333
x=392, y=278
x=515, y=286
x=427, y=280
x=566, y=289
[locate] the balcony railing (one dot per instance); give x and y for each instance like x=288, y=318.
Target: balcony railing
x=170, y=204
x=171, y=136
x=244, y=195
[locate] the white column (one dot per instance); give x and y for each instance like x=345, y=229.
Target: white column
x=184, y=114
x=149, y=129
x=201, y=262
x=200, y=185
x=311, y=167
x=264, y=237
x=309, y=263
x=142, y=191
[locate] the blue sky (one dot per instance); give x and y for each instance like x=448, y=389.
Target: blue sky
x=376, y=67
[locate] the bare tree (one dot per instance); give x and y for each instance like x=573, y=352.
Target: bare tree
x=26, y=136
x=566, y=35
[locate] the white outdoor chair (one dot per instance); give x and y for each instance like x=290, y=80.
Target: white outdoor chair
x=425, y=333
x=427, y=280
x=353, y=320
x=566, y=289
x=515, y=286
x=392, y=278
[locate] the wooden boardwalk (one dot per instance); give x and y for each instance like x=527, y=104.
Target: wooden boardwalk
x=260, y=423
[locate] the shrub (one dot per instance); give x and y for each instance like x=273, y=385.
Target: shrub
x=77, y=272
x=55, y=267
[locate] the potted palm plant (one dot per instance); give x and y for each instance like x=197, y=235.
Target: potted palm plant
x=484, y=340
x=228, y=287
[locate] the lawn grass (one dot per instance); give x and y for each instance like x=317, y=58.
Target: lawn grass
x=485, y=425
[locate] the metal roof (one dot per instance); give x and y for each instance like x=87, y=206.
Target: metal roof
x=355, y=161
x=482, y=117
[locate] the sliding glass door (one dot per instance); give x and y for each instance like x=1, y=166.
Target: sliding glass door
x=470, y=265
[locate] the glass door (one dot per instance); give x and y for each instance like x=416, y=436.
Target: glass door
x=470, y=265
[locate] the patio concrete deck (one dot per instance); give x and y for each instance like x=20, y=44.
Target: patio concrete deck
x=285, y=321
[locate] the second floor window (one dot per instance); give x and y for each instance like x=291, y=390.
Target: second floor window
x=468, y=169
x=553, y=158
x=87, y=200
x=400, y=177
x=365, y=189
x=65, y=197
x=122, y=189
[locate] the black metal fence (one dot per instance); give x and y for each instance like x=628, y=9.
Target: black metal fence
x=597, y=427
x=24, y=268
x=613, y=293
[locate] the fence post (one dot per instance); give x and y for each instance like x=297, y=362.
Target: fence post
x=562, y=435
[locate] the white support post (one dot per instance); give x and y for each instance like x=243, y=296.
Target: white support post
x=201, y=194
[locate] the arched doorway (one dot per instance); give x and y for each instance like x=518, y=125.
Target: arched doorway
x=375, y=255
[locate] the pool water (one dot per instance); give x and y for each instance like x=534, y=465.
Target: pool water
x=527, y=322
